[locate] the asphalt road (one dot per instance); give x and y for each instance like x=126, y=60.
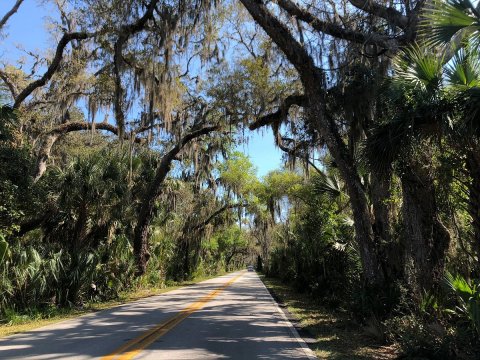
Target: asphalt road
x=229, y=317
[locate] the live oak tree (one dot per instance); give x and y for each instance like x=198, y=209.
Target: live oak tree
x=314, y=102
x=309, y=37
x=117, y=58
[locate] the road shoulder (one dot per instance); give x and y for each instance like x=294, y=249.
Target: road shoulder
x=329, y=334
x=298, y=333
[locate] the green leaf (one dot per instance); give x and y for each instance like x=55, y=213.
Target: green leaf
x=463, y=71
x=3, y=249
x=447, y=18
x=419, y=68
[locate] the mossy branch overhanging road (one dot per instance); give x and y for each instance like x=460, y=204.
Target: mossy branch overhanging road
x=229, y=317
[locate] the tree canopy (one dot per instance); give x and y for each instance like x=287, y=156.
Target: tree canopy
x=119, y=146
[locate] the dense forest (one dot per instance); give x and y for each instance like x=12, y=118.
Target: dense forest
x=120, y=165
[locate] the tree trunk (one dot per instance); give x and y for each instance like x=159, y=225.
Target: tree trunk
x=145, y=216
x=473, y=167
x=229, y=258
x=147, y=209
x=80, y=230
x=44, y=155
x=363, y=220
x=186, y=259
x=426, y=239
x=312, y=81
x=389, y=250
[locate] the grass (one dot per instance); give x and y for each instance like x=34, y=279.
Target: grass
x=18, y=323
x=335, y=335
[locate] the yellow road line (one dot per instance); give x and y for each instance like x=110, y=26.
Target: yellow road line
x=131, y=348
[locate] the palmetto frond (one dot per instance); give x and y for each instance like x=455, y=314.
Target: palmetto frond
x=428, y=90
x=386, y=143
x=462, y=75
x=463, y=70
x=447, y=18
x=420, y=69
x=329, y=185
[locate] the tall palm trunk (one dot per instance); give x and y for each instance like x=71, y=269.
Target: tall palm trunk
x=80, y=230
x=426, y=239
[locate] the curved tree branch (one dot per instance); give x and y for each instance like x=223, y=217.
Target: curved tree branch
x=52, y=68
x=336, y=30
x=393, y=16
x=9, y=14
x=215, y=214
x=83, y=125
x=10, y=84
x=53, y=135
x=296, y=54
x=281, y=114
x=125, y=32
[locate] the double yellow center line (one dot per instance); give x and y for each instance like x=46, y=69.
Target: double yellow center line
x=131, y=348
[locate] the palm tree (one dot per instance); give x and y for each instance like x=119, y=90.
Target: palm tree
x=457, y=23
x=413, y=102
x=433, y=101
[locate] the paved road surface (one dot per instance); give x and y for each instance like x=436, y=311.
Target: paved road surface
x=229, y=317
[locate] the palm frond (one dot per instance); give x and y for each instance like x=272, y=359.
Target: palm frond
x=420, y=69
x=469, y=101
x=385, y=144
x=463, y=71
x=327, y=185
x=447, y=18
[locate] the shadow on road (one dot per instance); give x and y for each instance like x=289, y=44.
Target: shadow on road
x=240, y=323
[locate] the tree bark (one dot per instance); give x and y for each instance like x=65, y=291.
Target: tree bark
x=473, y=167
x=392, y=15
x=80, y=230
x=390, y=252
x=147, y=209
x=44, y=155
x=426, y=239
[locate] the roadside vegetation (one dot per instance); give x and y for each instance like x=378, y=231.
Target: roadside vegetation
x=335, y=334
x=120, y=167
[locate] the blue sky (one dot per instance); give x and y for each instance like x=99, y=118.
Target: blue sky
x=27, y=29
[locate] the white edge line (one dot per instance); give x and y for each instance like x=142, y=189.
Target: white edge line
x=306, y=349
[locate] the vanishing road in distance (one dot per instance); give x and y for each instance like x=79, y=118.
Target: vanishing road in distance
x=229, y=317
